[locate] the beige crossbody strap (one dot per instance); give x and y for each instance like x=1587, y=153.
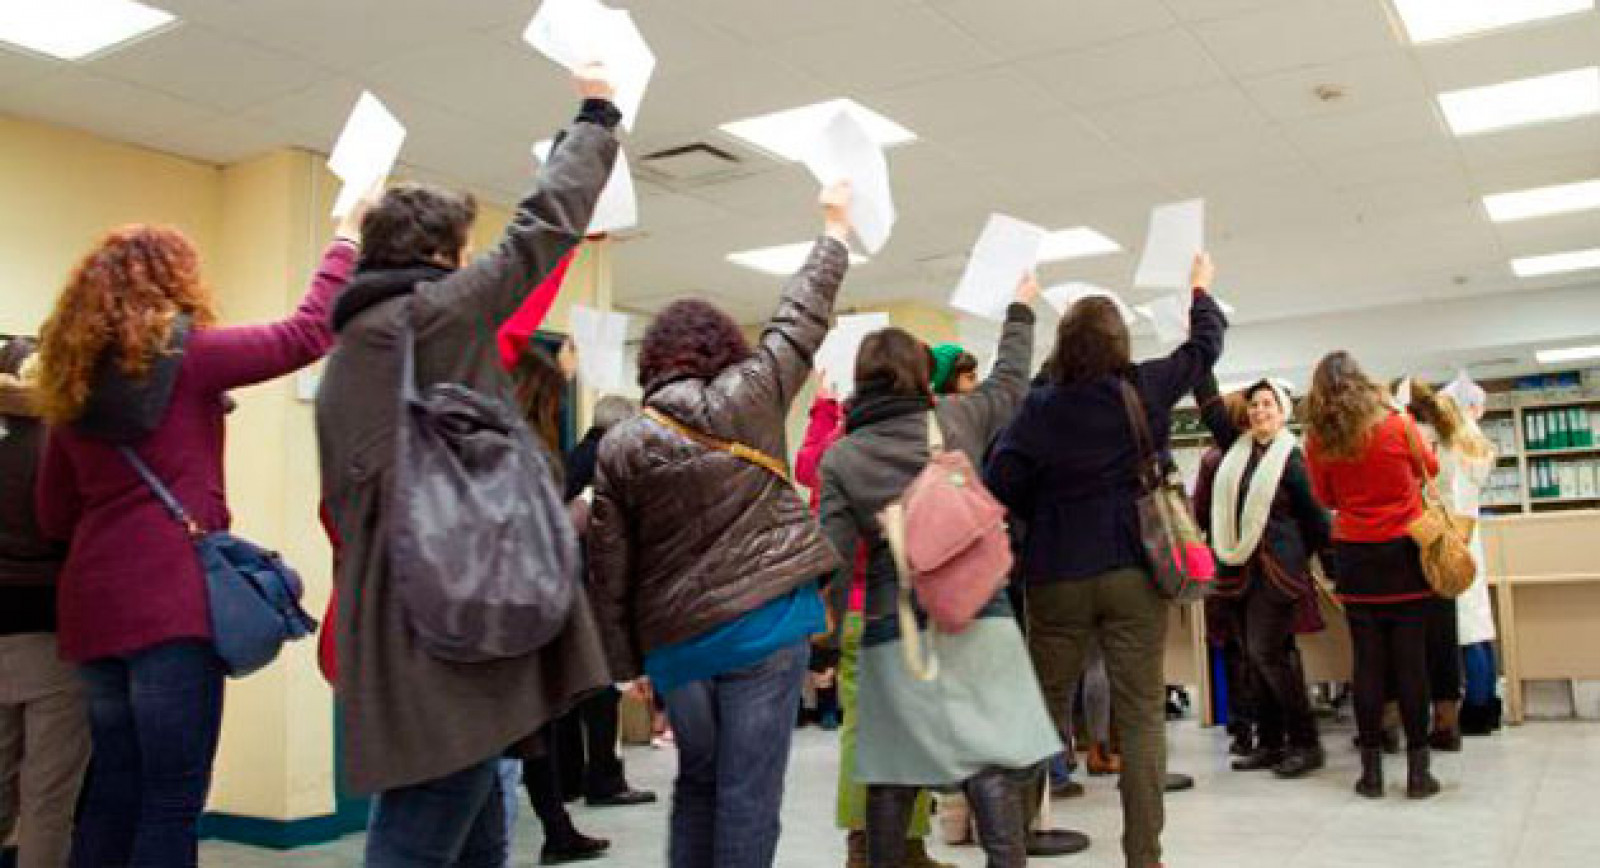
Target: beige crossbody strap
x=893, y=521
x=738, y=450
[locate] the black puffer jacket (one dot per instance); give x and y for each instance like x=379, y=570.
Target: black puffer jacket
x=683, y=538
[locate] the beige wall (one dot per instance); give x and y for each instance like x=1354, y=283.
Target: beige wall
x=63, y=189
x=260, y=226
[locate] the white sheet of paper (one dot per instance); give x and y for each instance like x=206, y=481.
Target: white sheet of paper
x=574, y=33
x=366, y=150
x=837, y=356
x=1466, y=392
x=618, y=206
x=1063, y=297
x=1006, y=250
x=845, y=151
x=602, y=338
x=1177, y=233
x=1170, y=315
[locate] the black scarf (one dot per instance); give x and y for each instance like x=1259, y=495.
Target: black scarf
x=875, y=401
x=373, y=286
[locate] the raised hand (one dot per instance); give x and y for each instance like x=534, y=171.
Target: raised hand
x=835, y=200
x=1203, y=272
x=592, y=82
x=1027, y=289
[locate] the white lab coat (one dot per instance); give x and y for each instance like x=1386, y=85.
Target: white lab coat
x=1461, y=481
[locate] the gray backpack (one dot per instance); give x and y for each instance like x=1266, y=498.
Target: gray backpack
x=483, y=553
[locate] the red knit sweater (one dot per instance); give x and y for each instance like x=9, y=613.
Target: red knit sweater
x=1376, y=496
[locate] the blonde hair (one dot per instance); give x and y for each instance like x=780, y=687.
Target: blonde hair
x=1466, y=437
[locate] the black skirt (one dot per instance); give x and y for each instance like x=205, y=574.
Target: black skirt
x=1378, y=573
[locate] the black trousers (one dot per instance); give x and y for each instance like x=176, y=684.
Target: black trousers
x=1283, y=706
x=580, y=759
x=1390, y=645
x=1444, y=651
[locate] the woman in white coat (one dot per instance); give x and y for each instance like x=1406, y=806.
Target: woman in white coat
x=1466, y=460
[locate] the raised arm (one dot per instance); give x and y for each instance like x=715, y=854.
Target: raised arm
x=1169, y=379
x=1214, y=412
x=549, y=222
x=790, y=339
x=821, y=433
x=236, y=356
x=611, y=563
x=997, y=398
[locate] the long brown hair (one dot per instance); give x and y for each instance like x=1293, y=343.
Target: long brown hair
x=1343, y=407
x=120, y=302
x=540, y=388
x=1426, y=407
x=1091, y=342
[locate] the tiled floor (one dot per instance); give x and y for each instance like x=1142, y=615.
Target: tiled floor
x=1523, y=799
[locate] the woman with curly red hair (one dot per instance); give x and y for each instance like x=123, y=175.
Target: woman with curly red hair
x=132, y=357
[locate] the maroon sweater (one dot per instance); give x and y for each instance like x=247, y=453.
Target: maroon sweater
x=131, y=580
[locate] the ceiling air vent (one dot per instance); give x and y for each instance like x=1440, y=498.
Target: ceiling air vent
x=689, y=164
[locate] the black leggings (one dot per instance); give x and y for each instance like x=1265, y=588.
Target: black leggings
x=1444, y=651
x=1390, y=642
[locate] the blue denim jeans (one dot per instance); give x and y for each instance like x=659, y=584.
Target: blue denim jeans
x=457, y=821
x=154, y=719
x=733, y=733
x=1482, y=676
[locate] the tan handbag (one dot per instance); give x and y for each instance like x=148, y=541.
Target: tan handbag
x=1441, y=535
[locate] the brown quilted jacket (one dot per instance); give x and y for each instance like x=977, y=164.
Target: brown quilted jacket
x=683, y=538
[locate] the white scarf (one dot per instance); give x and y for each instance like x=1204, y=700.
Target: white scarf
x=1235, y=537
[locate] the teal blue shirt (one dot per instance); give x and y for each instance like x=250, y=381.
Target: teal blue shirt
x=742, y=642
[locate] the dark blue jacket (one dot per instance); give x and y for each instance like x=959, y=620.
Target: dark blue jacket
x=1067, y=465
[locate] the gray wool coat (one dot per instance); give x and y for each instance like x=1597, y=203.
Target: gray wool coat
x=407, y=716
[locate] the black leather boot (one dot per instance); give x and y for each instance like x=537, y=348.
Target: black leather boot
x=996, y=802
x=1371, y=783
x=1264, y=759
x=888, y=819
x=1420, y=782
x=1300, y=761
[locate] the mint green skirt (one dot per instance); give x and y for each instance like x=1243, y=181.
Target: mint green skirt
x=983, y=711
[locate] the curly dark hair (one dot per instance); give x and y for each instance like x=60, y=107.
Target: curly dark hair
x=1343, y=407
x=893, y=358
x=417, y=223
x=690, y=338
x=1091, y=342
x=966, y=363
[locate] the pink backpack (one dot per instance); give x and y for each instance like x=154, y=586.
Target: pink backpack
x=948, y=537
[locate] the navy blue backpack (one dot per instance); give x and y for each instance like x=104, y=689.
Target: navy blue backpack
x=253, y=596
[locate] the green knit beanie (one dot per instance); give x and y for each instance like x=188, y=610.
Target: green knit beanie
x=945, y=357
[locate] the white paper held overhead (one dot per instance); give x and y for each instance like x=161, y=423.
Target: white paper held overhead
x=1177, y=233
x=1063, y=297
x=575, y=33
x=836, y=358
x=366, y=150
x=1007, y=249
x=601, y=338
x=845, y=151
x=1170, y=315
x=618, y=206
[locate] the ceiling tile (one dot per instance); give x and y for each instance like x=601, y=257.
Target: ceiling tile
x=767, y=21
x=1394, y=124
x=1563, y=232
x=1025, y=27
x=17, y=67
x=883, y=49
x=1218, y=112
x=488, y=81
x=1123, y=70
x=237, y=73
x=1296, y=33
x=1366, y=81
x=77, y=98
x=955, y=105
x=1532, y=144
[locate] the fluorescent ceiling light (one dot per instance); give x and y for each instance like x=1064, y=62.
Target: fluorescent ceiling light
x=1543, y=201
x=1567, y=354
x=789, y=134
x=76, y=29
x=1429, y=20
x=1074, y=243
x=784, y=259
x=1556, y=263
x=1524, y=101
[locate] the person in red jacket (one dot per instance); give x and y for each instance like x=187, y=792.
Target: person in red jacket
x=1368, y=464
